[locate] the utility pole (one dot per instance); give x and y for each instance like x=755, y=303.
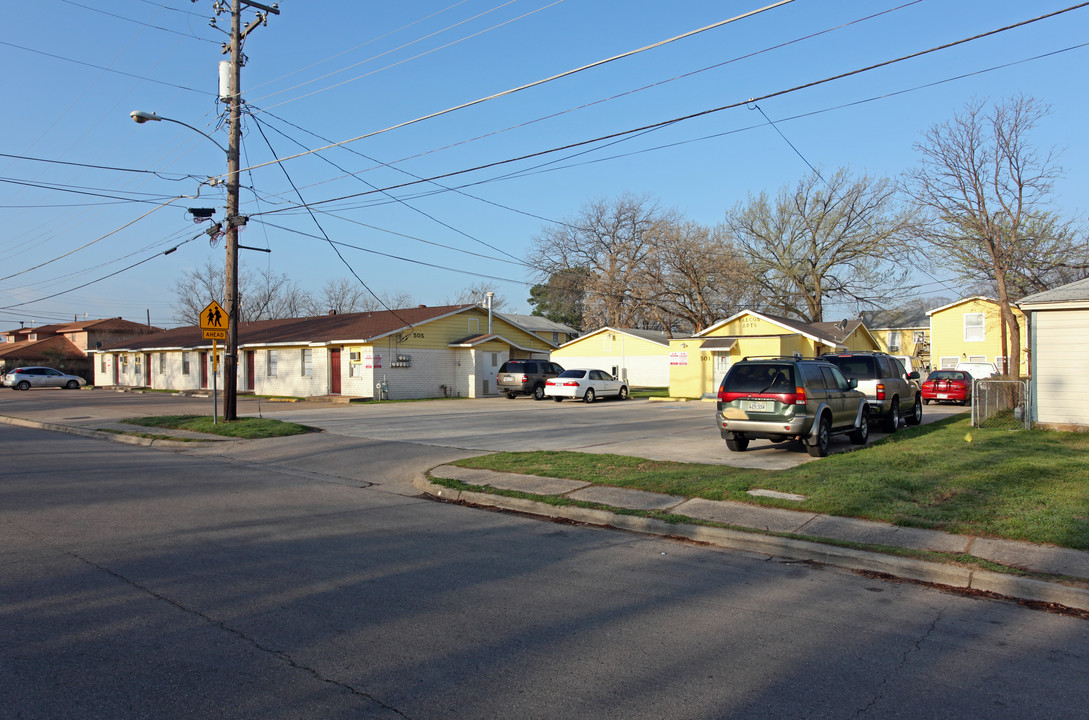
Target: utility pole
x=234, y=220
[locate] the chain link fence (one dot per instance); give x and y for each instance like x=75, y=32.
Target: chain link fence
x=1001, y=404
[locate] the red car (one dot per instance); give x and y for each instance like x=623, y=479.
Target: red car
x=948, y=386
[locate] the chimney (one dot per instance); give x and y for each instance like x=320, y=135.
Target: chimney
x=490, y=295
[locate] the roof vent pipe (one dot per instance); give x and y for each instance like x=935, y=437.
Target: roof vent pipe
x=490, y=295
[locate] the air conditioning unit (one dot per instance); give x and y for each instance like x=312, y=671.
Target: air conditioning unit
x=894, y=348
x=353, y=357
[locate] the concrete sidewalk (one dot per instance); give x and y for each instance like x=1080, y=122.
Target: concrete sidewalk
x=768, y=531
x=794, y=534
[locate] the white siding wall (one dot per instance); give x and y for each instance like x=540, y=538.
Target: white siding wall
x=1062, y=349
x=642, y=370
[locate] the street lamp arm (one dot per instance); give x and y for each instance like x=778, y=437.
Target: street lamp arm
x=142, y=117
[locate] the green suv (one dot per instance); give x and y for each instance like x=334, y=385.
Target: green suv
x=790, y=398
x=893, y=392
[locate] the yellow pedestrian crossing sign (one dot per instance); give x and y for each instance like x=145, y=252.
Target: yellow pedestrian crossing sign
x=214, y=322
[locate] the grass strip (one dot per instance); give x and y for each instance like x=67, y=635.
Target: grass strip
x=248, y=428
x=1030, y=485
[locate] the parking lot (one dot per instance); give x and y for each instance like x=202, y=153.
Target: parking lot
x=678, y=431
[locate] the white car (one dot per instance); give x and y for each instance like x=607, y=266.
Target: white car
x=978, y=370
x=25, y=378
x=586, y=384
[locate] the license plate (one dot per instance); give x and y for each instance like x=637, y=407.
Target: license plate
x=757, y=406
x=508, y=378
x=943, y=396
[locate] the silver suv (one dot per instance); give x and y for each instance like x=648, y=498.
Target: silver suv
x=790, y=398
x=893, y=392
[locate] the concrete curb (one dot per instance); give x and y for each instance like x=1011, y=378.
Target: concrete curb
x=92, y=433
x=796, y=549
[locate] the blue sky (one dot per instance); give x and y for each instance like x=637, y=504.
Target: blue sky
x=327, y=72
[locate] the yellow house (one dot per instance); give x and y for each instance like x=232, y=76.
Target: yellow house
x=971, y=330
x=697, y=364
x=641, y=357
x=901, y=332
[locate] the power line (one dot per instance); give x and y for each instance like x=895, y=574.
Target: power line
x=128, y=19
x=158, y=173
x=683, y=118
x=527, y=86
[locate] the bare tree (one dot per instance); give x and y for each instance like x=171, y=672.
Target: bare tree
x=692, y=277
x=610, y=241
x=261, y=297
x=342, y=295
x=477, y=293
x=984, y=192
x=835, y=239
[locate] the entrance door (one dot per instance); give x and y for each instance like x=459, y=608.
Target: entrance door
x=203, y=370
x=250, y=364
x=116, y=369
x=334, y=370
x=147, y=370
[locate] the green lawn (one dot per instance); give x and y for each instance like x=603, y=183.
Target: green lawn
x=247, y=428
x=1023, y=485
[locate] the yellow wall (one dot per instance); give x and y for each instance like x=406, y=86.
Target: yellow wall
x=947, y=333
x=858, y=340
x=438, y=334
x=908, y=346
x=598, y=345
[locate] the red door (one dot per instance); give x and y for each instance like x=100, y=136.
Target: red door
x=334, y=369
x=204, y=370
x=116, y=369
x=147, y=370
x=249, y=369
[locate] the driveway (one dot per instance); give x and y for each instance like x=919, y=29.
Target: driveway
x=677, y=431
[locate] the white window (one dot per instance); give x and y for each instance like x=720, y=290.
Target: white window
x=307, y=362
x=949, y=363
x=974, y=328
x=185, y=363
x=270, y=362
x=102, y=361
x=894, y=340
x=555, y=338
x=918, y=337
x=136, y=363
x=1000, y=363
x=162, y=363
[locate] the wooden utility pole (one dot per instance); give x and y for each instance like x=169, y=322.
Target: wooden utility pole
x=234, y=220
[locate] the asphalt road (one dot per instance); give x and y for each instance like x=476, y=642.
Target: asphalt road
x=679, y=431
x=301, y=578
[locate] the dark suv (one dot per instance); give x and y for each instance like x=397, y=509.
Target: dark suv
x=790, y=398
x=526, y=377
x=893, y=392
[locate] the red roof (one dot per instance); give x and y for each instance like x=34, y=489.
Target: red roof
x=355, y=327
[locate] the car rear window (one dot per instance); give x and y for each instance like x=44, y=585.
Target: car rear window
x=573, y=374
x=770, y=377
x=860, y=367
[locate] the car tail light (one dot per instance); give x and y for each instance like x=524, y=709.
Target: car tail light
x=799, y=396
x=525, y=378
x=880, y=391
x=571, y=383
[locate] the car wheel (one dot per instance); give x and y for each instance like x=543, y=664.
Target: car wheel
x=623, y=394
x=862, y=432
x=589, y=396
x=510, y=395
x=72, y=385
x=824, y=438
x=892, y=420
x=916, y=415
x=23, y=385
x=737, y=443
x=538, y=392
x=558, y=399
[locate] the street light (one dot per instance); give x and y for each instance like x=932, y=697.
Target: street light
x=142, y=117
x=231, y=223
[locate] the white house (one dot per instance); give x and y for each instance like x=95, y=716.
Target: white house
x=1058, y=346
x=641, y=357
x=422, y=352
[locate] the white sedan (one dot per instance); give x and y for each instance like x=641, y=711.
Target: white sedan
x=585, y=384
